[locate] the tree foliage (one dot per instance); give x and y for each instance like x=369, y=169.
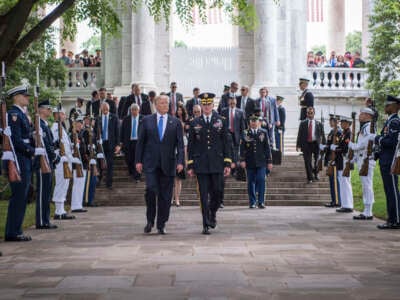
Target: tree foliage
x=384, y=55
x=317, y=48
x=92, y=43
x=353, y=42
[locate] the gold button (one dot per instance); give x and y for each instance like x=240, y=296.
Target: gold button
x=209, y=147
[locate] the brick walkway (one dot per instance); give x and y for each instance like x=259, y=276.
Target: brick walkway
x=277, y=253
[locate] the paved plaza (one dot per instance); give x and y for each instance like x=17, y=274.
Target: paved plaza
x=277, y=253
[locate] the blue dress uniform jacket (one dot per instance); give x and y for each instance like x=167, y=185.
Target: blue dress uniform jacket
x=21, y=134
x=387, y=140
x=342, y=149
x=209, y=147
x=255, y=149
x=306, y=100
x=48, y=144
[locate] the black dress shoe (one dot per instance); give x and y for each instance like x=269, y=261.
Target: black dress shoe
x=261, y=205
x=205, y=230
x=92, y=205
x=110, y=187
x=252, y=206
x=362, y=217
x=18, y=238
x=344, y=210
x=64, y=217
x=47, y=226
x=221, y=205
x=316, y=178
x=162, y=231
x=148, y=227
x=388, y=226
x=310, y=181
x=81, y=210
x=329, y=205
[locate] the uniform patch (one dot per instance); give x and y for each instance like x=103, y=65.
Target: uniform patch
x=14, y=117
x=262, y=137
x=218, y=124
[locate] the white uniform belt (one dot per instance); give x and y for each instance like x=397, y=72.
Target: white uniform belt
x=25, y=140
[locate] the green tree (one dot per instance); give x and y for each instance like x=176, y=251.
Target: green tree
x=384, y=50
x=92, y=44
x=353, y=42
x=103, y=15
x=317, y=48
x=180, y=44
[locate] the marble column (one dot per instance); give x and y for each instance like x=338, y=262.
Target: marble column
x=69, y=45
x=143, y=49
x=265, y=46
x=367, y=10
x=335, y=20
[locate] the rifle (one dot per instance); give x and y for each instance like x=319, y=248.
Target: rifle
x=76, y=153
x=67, y=170
x=395, y=168
x=331, y=163
x=365, y=163
x=12, y=169
x=92, y=168
x=43, y=159
x=99, y=146
x=321, y=152
x=350, y=155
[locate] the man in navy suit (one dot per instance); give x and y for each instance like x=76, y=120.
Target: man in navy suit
x=160, y=154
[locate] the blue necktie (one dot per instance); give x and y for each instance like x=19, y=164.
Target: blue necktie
x=105, y=126
x=133, y=133
x=160, y=127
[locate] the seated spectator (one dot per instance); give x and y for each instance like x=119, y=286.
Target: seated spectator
x=358, y=62
x=97, y=58
x=64, y=57
x=340, y=62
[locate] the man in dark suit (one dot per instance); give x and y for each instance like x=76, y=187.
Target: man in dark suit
x=109, y=137
x=224, y=101
x=147, y=107
x=93, y=106
x=306, y=98
x=136, y=96
x=235, y=122
x=129, y=134
x=174, y=99
x=209, y=157
x=120, y=108
x=192, y=102
x=245, y=103
x=160, y=154
x=110, y=101
x=280, y=130
x=311, y=135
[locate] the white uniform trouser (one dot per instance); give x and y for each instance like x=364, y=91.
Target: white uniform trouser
x=78, y=188
x=346, y=192
x=60, y=189
x=368, y=188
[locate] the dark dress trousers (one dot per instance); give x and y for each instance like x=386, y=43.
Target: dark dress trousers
x=280, y=130
x=159, y=158
x=310, y=149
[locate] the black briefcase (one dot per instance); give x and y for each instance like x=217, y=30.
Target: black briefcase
x=276, y=157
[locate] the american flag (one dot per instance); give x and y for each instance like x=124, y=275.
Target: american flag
x=214, y=16
x=315, y=11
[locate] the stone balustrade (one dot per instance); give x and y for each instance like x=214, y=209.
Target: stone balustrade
x=83, y=79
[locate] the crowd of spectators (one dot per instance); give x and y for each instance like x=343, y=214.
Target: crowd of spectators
x=347, y=60
x=82, y=59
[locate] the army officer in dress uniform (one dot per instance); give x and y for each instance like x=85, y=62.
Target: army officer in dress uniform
x=209, y=157
x=306, y=98
x=387, y=142
x=255, y=156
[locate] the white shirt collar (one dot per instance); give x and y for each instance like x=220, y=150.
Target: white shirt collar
x=20, y=108
x=165, y=116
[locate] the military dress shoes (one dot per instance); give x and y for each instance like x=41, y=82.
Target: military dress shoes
x=92, y=205
x=81, y=210
x=47, y=226
x=64, y=217
x=388, y=226
x=148, y=227
x=309, y=182
x=344, y=210
x=162, y=231
x=18, y=238
x=363, y=217
x=221, y=205
x=205, y=230
x=330, y=205
x=252, y=206
x=261, y=205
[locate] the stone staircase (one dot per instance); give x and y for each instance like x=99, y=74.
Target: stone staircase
x=286, y=185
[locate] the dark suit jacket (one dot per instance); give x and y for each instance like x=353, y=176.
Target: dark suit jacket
x=126, y=130
x=113, y=131
x=93, y=107
x=239, y=123
x=189, y=106
x=303, y=134
x=165, y=154
x=113, y=107
x=121, y=107
x=282, y=117
x=178, y=98
x=129, y=100
x=250, y=106
x=223, y=102
x=48, y=145
x=145, y=108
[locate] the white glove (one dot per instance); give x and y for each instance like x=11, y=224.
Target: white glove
x=352, y=145
x=333, y=147
x=40, y=151
x=40, y=131
x=78, y=145
x=371, y=137
x=7, y=131
x=8, y=155
x=76, y=160
x=100, y=155
x=64, y=159
x=100, y=141
x=322, y=147
x=92, y=162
